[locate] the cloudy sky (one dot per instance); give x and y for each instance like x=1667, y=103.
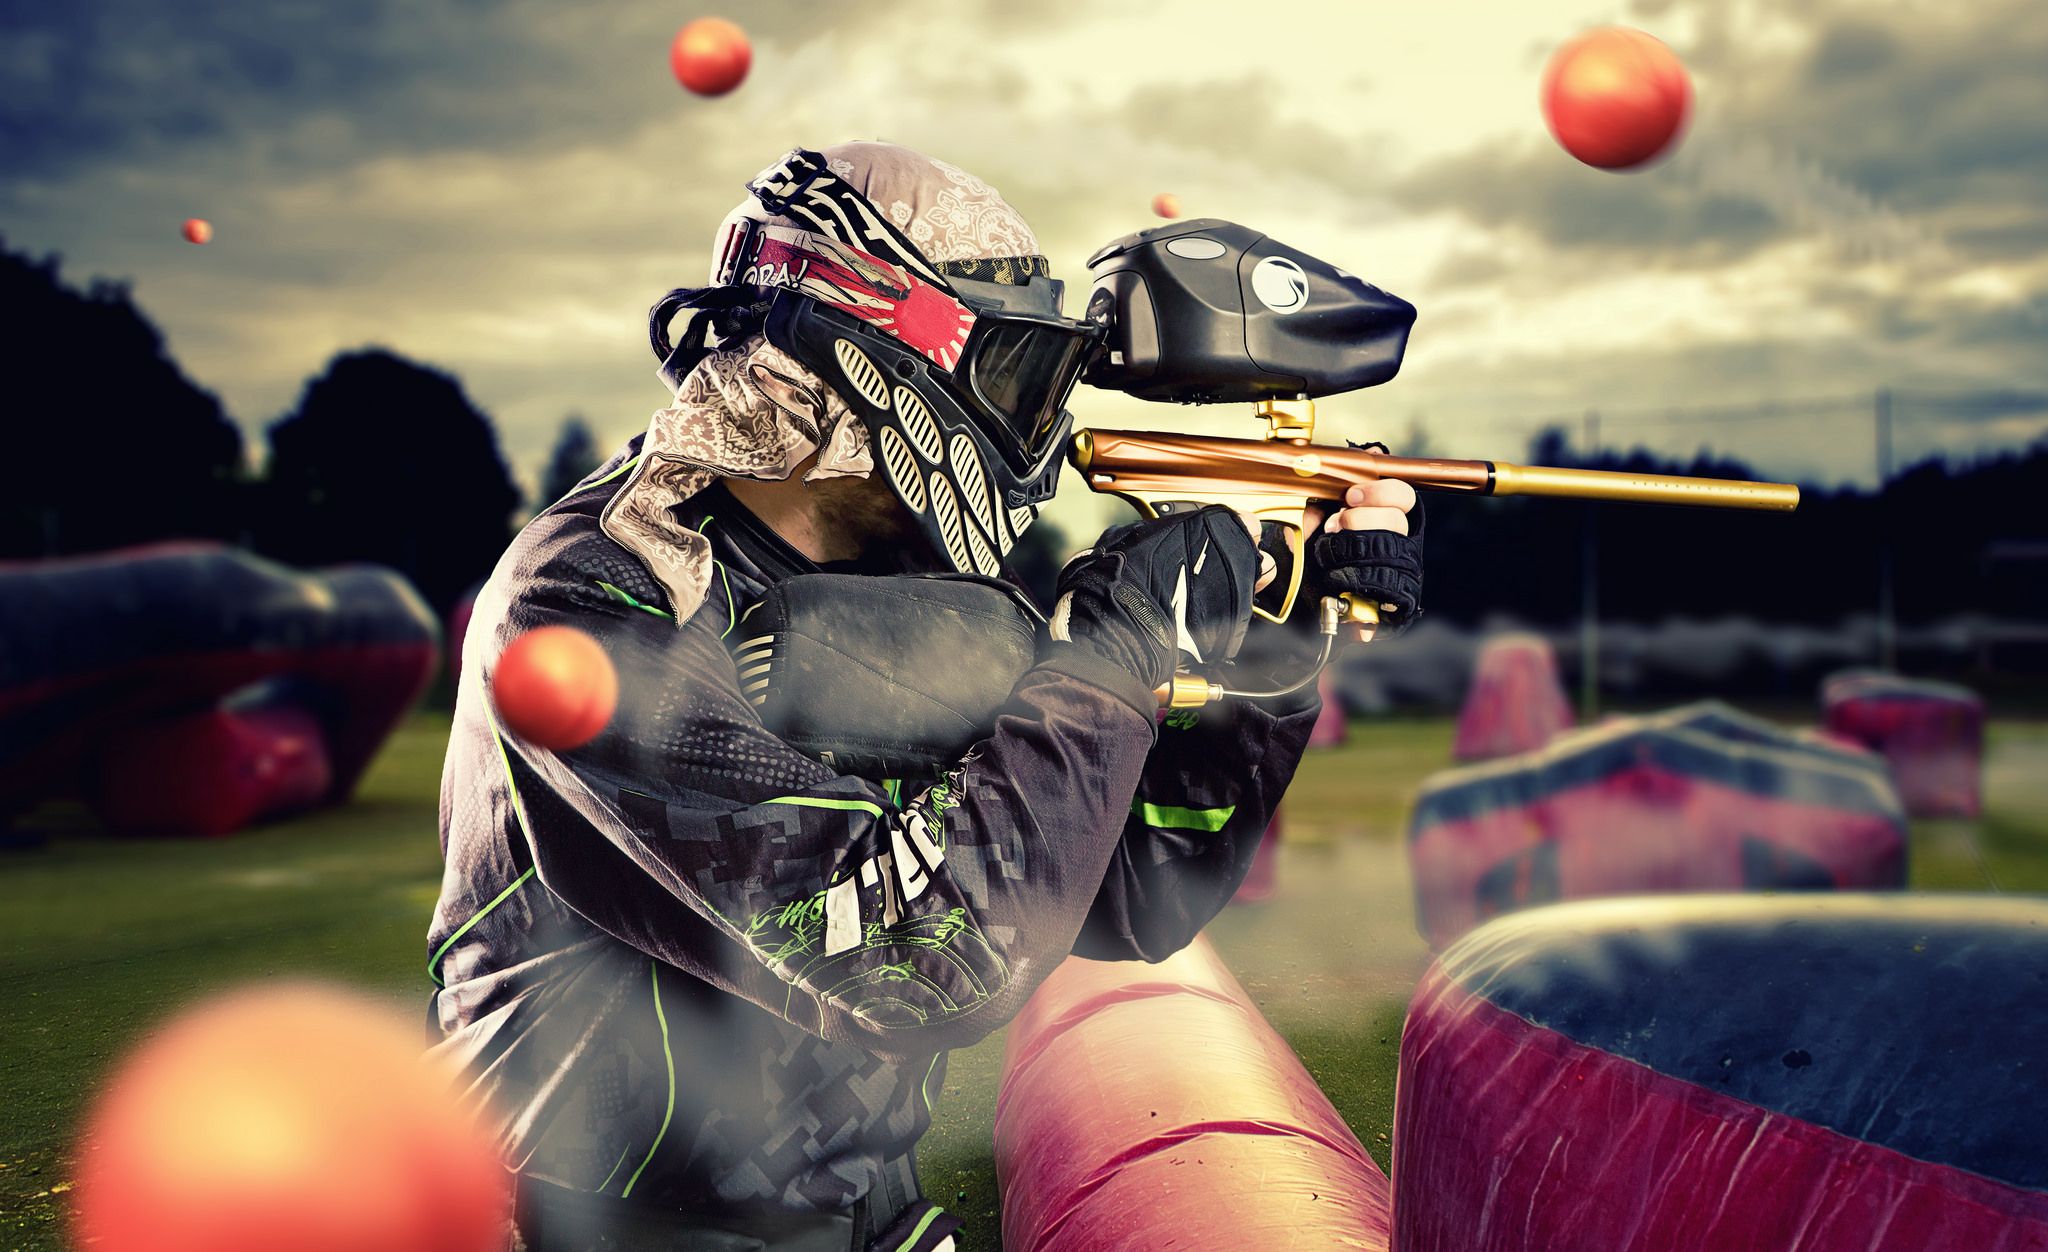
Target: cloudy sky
x=501, y=188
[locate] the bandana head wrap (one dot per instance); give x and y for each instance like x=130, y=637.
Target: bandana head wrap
x=749, y=410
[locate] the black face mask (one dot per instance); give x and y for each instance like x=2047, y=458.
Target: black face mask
x=931, y=438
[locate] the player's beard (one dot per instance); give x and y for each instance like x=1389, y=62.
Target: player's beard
x=867, y=510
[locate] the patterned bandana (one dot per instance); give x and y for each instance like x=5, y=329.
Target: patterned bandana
x=749, y=410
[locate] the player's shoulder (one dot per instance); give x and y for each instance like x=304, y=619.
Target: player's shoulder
x=564, y=553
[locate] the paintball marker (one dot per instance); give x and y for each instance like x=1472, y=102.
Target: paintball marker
x=1207, y=311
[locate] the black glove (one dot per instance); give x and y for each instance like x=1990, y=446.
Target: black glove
x=1149, y=591
x=1379, y=565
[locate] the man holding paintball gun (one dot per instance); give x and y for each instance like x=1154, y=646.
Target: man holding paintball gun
x=708, y=980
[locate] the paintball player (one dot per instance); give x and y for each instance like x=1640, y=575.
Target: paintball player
x=707, y=982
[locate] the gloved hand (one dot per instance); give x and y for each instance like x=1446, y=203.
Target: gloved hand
x=1372, y=547
x=1149, y=592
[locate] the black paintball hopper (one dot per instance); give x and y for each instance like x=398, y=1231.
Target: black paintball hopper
x=1207, y=310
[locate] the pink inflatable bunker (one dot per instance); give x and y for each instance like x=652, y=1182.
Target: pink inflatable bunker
x=1833, y=1073
x=1931, y=733
x=1329, y=730
x=1151, y=1106
x=192, y=689
x=1700, y=799
x=1516, y=703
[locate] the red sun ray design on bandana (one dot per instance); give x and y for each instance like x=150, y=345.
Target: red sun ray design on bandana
x=924, y=317
x=932, y=322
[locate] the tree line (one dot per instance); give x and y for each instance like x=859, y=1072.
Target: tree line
x=109, y=443
x=1957, y=539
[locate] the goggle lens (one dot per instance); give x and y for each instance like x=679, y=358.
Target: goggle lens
x=1023, y=372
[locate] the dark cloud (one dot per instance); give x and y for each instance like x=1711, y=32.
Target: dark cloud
x=1979, y=406
x=1655, y=218
x=1850, y=52
x=312, y=82
x=1930, y=121
x=1929, y=108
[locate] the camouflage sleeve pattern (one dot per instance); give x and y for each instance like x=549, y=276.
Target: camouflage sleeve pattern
x=904, y=922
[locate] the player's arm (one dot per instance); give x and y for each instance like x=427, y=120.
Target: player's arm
x=1207, y=793
x=905, y=923
x=1214, y=781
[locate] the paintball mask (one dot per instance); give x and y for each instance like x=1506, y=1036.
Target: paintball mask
x=962, y=381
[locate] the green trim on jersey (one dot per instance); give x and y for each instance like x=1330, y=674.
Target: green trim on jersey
x=732, y=616
x=623, y=597
x=918, y=1231
x=925, y=1088
x=615, y=1168
x=519, y=811
x=434, y=961
x=825, y=802
x=668, y=1054
x=630, y=463
x=1170, y=817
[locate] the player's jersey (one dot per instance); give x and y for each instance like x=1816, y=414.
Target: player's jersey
x=689, y=965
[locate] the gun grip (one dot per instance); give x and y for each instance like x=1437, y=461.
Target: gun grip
x=1296, y=547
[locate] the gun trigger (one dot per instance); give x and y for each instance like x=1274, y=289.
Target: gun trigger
x=1296, y=546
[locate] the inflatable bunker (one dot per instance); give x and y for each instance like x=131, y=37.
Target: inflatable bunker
x=1515, y=704
x=1699, y=799
x=191, y=689
x=1932, y=733
x=458, y=630
x=1150, y=1106
x=1329, y=730
x=1839, y=1073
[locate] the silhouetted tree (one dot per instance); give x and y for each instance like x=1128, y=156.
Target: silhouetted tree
x=575, y=455
x=1522, y=556
x=107, y=442
x=388, y=461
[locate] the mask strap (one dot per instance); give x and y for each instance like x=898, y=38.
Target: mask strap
x=801, y=186
x=729, y=312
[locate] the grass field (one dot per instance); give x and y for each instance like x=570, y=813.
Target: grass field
x=99, y=938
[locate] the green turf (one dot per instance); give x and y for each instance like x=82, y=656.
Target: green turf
x=100, y=937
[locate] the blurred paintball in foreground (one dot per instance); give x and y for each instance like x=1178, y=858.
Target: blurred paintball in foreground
x=287, y=1116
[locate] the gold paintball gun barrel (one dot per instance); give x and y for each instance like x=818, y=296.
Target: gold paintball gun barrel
x=1276, y=479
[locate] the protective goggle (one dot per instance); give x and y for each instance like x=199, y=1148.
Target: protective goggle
x=1020, y=370
x=1005, y=347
